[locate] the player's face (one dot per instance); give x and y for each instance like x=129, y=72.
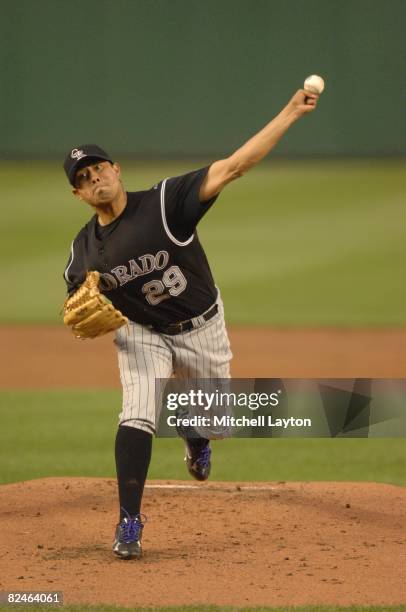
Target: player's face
x=98, y=183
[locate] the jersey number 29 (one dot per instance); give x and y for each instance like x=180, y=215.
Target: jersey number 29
x=173, y=283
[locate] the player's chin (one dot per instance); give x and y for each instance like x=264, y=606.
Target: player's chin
x=103, y=196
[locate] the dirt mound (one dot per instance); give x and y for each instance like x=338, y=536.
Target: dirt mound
x=212, y=543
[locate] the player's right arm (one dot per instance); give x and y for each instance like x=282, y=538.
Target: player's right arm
x=224, y=171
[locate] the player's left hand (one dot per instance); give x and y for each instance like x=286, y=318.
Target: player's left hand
x=88, y=313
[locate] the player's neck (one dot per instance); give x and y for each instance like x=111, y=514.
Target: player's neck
x=111, y=210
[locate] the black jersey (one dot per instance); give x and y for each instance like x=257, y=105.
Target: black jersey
x=152, y=265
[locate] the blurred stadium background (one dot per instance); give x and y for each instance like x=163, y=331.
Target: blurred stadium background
x=185, y=77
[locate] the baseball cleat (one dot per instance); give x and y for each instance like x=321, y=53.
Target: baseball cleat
x=127, y=541
x=198, y=460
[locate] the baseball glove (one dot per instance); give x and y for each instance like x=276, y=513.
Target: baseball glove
x=89, y=313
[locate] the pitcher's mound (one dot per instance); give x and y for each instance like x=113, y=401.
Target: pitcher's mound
x=211, y=543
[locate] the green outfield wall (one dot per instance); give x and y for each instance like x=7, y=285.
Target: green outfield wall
x=197, y=77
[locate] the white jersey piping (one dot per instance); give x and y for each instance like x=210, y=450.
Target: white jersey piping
x=167, y=230
x=71, y=255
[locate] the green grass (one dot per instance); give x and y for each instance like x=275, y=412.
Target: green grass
x=401, y=608
x=71, y=433
x=293, y=243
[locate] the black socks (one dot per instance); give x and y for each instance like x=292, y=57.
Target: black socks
x=133, y=455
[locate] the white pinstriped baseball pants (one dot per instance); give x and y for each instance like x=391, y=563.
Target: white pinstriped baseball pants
x=145, y=355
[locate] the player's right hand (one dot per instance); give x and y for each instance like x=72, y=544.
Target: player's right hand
x=302, y=102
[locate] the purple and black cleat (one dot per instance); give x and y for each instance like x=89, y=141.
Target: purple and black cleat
x=127, y=541
x=197, y=458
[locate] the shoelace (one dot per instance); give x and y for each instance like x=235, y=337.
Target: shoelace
x=130, y=528
x=204, y=456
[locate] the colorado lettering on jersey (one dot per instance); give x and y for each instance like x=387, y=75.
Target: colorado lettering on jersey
x=123, y=274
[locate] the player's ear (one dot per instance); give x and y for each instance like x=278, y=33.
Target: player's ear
x=117, y=169
x=76, y=193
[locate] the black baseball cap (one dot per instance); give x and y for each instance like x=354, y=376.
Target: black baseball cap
x=81, y=156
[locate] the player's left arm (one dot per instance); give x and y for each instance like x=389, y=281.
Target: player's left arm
x=224, y=171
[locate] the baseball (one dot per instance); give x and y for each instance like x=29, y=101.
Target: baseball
x=314, y=84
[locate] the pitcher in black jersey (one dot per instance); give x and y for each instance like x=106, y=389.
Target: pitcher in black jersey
x=154, y=269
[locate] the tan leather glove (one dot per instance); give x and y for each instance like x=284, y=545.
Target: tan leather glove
x=89, y=313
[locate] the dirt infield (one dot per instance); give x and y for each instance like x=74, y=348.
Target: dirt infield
x=49, y=357
x=219, y=543
x=210, y=543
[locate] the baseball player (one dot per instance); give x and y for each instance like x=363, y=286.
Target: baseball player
x=152, y=267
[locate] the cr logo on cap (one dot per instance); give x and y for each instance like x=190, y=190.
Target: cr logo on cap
x=77, y=154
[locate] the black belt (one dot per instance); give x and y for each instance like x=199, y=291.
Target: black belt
x=184, y=326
